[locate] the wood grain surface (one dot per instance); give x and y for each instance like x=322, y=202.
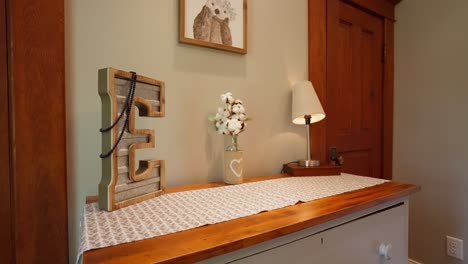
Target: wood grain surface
x=355, y=88
x=213, y=240
x=141, y=186
x=322, y=16
x=388, y=84
x=37, y=113
x=6, y=239
x=384, y=8
x=317, y=28
x=294, y=169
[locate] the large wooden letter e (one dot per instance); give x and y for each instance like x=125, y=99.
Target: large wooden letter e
x=122, y=182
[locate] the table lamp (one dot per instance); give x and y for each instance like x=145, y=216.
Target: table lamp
x=306, y=109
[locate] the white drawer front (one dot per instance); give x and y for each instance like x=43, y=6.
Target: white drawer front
x=358, y=242
x=355, y=242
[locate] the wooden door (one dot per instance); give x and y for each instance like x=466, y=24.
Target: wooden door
x=6, y=247
x=354, y=87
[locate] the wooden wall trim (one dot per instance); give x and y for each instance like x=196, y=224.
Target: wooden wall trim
x=332, y=13
x=36, y=76
x=6, y=227
x=387, y=126
x=317, y=30
x=383, y=8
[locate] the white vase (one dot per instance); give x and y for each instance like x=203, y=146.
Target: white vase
x=233, y=163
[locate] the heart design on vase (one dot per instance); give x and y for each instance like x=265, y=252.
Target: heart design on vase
x=238, y=161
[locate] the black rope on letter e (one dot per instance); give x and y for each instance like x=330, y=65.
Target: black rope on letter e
x=127, y=109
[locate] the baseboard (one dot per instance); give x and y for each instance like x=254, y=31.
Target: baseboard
x=410, y=261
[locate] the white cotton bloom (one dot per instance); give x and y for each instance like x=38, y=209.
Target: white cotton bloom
x=231, y=119
x=222, y=114
x=222, y=130
x=240, y=117
x=238, y=108
x=227, y=98
x=234, y=126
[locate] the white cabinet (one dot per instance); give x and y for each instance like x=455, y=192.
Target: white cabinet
x=354, y=239
x=358, y=242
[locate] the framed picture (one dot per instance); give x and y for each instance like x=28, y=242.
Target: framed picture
x=218, y=24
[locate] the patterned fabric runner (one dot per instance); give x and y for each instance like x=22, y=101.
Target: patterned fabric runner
x=174, y=212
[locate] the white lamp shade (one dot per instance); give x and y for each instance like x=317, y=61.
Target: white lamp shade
x=306, y=102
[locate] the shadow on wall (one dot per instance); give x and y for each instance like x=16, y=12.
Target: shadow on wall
x=213, y=156
x=192, y=59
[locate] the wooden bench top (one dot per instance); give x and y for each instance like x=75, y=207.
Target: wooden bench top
x=212, y=240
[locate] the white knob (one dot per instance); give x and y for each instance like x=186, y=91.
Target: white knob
x=385, y=250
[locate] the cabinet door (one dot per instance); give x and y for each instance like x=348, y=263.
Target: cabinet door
x=358, y=242
x=355, y=242
x=306, y=250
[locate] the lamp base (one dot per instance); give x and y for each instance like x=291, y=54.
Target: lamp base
x=309, y=163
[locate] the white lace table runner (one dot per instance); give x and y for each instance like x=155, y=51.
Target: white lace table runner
x=174, y=212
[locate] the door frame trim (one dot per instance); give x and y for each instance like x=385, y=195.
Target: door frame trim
x=36, y=120
x=317, y=30
x=6, y=231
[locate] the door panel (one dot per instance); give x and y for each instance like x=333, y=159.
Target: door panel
x=6, y=249
x=354, y=99
x=360, y=160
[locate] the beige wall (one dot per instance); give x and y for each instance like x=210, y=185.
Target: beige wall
x=142, y=36
x=431, y=121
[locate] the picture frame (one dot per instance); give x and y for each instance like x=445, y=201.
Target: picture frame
x=217, y=24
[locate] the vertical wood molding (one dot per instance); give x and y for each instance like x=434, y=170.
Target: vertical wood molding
x=332, y=13
x=317, y=30
x=6, y=239
x=387, y=126
x=36, y=76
